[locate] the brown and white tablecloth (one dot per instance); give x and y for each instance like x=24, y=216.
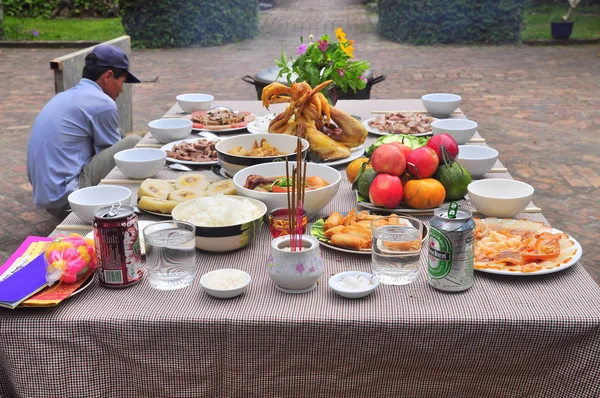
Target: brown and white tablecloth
x=534, y=336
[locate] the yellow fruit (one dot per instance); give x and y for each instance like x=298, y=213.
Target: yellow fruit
x=426, y=193
x=354, y=167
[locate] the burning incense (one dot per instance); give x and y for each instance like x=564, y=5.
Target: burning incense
x=295, y=198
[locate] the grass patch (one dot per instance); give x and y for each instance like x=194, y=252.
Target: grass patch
x=62, y=29
x=537, y=22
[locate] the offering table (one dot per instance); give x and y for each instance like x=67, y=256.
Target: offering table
x=535, y=336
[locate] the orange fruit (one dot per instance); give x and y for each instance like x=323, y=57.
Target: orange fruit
x=426, y=193
x=354, y=167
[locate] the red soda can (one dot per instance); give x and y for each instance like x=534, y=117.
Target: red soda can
x=117, y=241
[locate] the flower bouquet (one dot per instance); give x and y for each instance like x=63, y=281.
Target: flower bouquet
x=325, y=60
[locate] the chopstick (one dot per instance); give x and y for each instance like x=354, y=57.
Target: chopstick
x=149, y=146
x=498, y=170
x=527, y=210
x=63, y=227
x=423, y=112
x=127, y=181
x=476, y=140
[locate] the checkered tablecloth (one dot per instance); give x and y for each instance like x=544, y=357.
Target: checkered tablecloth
x=535, y=336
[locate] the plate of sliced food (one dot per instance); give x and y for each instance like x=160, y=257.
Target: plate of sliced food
x=192, y=151
x=159, y=197
x=221, y=119
x=411, y=123
x=348, y=232
x=522, y=247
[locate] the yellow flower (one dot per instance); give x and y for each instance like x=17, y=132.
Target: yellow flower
x=341, y=36
x=348, y=49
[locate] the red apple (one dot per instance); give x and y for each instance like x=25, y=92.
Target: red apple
x=404, y=148
x=446, y=140
x=422, y=162
x=386, y=191
x=388, y=159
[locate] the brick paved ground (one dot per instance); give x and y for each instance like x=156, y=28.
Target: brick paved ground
x=538, y=106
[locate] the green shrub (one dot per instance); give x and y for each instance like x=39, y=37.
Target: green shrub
x=181, y=23
x=451, y=21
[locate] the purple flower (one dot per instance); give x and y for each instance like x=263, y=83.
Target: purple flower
x=302, y=49
x=300, y=268
x=341, y=72
x=35, y=33
x=323, y=45
x=362, y=77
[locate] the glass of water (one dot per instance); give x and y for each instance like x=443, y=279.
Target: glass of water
x=170, y=254
x=396, y=249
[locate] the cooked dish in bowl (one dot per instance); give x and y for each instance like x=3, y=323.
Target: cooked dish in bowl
x=281, y=184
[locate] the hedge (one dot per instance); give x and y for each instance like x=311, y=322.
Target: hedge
x=181, y=23
x=451, y=21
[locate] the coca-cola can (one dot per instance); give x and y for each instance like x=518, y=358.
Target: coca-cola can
x=117, y=241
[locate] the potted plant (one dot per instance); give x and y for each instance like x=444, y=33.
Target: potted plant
x=562, y=29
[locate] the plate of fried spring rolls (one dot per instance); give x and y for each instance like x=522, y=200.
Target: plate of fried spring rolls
x=350, y=232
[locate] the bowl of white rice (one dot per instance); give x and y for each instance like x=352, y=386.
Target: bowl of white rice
x=225, y=283
x=223, y=222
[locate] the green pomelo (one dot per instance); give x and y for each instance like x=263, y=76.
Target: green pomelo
x=364, y=182
x=454, y=178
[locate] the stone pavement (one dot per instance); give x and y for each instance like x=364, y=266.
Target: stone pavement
x=538, y=106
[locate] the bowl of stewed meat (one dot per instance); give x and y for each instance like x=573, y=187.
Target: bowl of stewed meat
x=239, y=152
x=269, y=182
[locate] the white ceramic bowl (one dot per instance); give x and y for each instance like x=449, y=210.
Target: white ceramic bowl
x=441, y=104
x=140, y=163
x=334, y=283
x=498, y=197
x=315, y=200
x=477, y=159
x=194, y=102
x=85, y=201
x=221, y=276
x=462, y=130
x=224, y=238
x=170, y=129
x=234, y=163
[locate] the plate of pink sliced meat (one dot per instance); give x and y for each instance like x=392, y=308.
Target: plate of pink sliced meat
x=400, y=123
x=192, y=151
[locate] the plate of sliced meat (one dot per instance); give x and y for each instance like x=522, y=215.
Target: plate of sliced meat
x=400, y=123
x=221, y=120
x=192, y=151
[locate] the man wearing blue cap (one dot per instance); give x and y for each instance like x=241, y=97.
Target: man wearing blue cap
x=75, y=136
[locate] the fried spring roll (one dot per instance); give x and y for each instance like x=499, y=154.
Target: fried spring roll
x=349, y=241
x=333, y=220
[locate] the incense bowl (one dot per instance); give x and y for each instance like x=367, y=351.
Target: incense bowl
x=295, y=271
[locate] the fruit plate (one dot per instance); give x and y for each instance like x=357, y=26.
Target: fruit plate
x=575, y=258
x=170, y=145
x=376, y=131
x=366, y=204
x=316, y=230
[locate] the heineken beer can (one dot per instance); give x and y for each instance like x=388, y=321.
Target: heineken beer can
x=450, y=253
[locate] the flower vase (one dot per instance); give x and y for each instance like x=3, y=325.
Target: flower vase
x=295, y=271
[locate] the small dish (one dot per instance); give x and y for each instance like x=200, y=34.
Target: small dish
x=225, y=283
x=336, y=281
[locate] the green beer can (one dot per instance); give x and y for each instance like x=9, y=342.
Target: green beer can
x=450, y=252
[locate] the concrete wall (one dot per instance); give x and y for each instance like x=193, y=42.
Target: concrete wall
x=68, y=70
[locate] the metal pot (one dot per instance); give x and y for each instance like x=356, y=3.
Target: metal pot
x=268, y=76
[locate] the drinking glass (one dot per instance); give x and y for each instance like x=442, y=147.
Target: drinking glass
x=396, y=249
x=170, y=254
x=279, y=223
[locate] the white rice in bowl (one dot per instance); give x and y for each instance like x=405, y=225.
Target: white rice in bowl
x=220, y=211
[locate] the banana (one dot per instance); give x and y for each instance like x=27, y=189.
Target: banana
x=181, y=195
x=193, y=181
x=155, y=188
x=225, y=187
x=157, y=205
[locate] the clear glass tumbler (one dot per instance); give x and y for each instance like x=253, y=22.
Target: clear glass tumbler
x=396, y=249
x=170, y=254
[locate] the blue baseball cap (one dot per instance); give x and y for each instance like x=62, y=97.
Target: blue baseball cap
x=111, y=56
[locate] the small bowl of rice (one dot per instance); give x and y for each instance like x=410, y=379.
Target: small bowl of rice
x=225, y=283
x=223, y=222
